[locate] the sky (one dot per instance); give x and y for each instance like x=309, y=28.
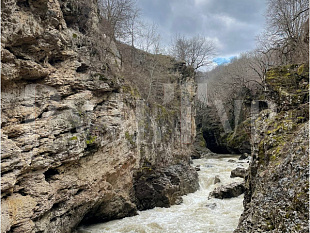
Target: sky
x=231, y=24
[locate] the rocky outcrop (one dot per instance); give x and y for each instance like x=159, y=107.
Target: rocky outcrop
x=72, y=134
x=238, y=172
x=163, y=187
x=277, y=185
x=228, y=191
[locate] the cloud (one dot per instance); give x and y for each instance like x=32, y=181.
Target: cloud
x=232, y=23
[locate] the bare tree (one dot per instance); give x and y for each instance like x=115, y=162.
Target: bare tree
x=133, y=26
x=149, y=38
x=119, y=14
x=196, y=51
x=286, y=20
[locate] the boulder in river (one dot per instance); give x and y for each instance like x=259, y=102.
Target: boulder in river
x=217, y=179
x=244, y=156
x=211, y=206
x=163, y=187
x=228, y=191
x=238, y=172
x=231, y=161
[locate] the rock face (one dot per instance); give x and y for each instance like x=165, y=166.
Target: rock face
x=163, y=187
x=277, y=187
x=72, y=135
x=226, y=141
x=238, y=172
x=201, y=151
x=228, y=191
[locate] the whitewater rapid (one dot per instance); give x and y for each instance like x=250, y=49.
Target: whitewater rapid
x=197, y=213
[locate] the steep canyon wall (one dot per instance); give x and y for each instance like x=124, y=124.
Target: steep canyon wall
x=277, y=184
x=75, y=141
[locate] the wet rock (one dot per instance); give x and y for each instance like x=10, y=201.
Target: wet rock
x=211, y=206
x=244, y=156
x=178, y=201
x=228, y=191
x=217, y=179
x=238, y=172
x=164, y=187
x=231, y=161
x=197, y=168
x=109, y=209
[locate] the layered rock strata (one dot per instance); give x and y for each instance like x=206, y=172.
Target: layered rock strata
x=72, y=135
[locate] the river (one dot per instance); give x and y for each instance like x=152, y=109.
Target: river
x=197, y=213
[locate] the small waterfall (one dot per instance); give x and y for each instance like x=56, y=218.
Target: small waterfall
x=196, y=214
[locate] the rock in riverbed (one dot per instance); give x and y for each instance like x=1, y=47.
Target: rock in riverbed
x=217, y=179
x=164, y=187
x=211, y=206
x=231, y=161
x=244, y=156
x=228, y=191
x=238, y=172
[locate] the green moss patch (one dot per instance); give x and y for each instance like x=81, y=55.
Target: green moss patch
x=130, y=138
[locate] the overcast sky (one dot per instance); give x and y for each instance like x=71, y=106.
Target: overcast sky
x=232, y=24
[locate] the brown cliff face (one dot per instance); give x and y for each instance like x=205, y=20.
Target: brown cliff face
x=72, y=136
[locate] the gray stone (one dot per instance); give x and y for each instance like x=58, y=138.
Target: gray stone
x=231, y=161
x=211, y=206
x=238, y=172
x=217, y=179
x=228, y=191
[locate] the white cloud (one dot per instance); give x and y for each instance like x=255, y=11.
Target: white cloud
x=226, y=20
x=217, y=43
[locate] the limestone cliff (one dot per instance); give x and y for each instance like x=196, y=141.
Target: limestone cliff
x=72, y=134
x=277, y=185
